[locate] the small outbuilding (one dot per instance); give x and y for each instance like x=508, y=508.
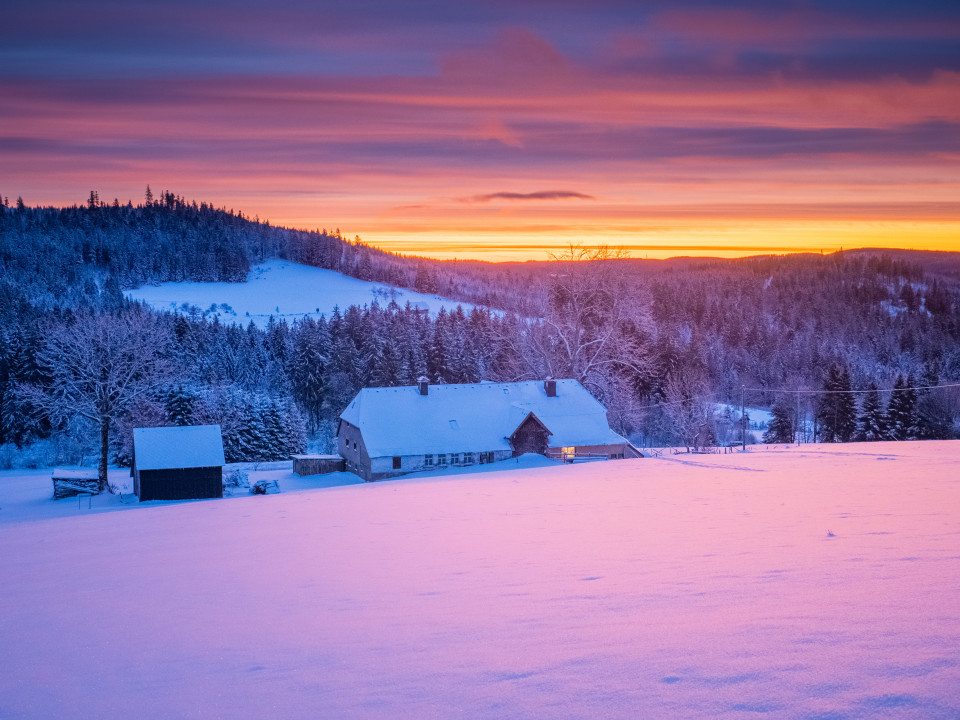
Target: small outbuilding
x=70, y=482
x=178, y=463
x=304, y=465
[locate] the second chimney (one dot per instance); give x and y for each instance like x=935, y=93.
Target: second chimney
x=423, y=385
x=550, y=387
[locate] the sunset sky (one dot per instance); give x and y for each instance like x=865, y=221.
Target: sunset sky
x=502, y=129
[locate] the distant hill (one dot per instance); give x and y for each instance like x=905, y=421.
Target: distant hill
x=938, y=263
x=630, y=329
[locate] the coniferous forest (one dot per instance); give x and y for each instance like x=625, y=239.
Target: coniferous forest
x=837, y=345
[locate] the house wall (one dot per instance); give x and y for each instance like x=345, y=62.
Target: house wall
x=382, y=467
x=351, y=448
x=555, y=453
x=408, y=463
x=183, y=484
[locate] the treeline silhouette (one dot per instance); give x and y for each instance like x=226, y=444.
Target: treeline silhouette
x=678, y=328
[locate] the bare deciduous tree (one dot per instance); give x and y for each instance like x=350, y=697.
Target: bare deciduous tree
x=100, y=364
x=593, y=322
x=691, y=407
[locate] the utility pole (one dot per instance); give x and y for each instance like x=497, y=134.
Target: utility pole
x=797, y=428
x=743, y=422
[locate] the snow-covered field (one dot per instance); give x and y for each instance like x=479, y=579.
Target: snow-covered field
x=811, y=582
x=284, y=290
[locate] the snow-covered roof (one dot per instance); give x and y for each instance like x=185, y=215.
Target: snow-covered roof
x=474, y=418
x=168, y=448
x=74, y=474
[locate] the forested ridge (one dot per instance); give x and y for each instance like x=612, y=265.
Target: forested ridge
x=653, y=340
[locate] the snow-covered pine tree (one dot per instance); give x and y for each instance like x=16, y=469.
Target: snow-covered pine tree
x=780, y=429
x=294, y=430
x=179, y=403
x=836, y=409
x=437, y=355
x=872, y=422
x=902, y=412
x=340, y=378
x=934, y=410
x=275, y=433
x=251, y=437
x=311, y=345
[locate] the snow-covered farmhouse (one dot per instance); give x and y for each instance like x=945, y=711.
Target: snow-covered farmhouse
x=396, y=430
x=178, y=463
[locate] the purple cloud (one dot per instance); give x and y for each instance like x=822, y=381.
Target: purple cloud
x=540, y=195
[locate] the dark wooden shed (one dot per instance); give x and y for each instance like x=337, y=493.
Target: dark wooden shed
x=317, y=464
x=178, y=463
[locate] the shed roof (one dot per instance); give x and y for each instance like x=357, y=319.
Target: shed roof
x=474, y=418
x=74, y=474
x=169, y=448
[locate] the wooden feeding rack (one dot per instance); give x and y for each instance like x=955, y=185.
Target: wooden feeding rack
x=69, y=482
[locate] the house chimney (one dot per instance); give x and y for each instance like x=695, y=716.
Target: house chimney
x=423, y=385
x=550, y=387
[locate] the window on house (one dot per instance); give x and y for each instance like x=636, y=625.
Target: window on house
x=354, y=444
x=613, y=456
x=428, y=460
x=396, y=462
x=441, y=459
x=468, y=458
x=567, y=454
x=454, y=458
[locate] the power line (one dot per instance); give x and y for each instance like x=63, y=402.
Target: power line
x=853, y=392
x=678, y=402
x=802, y=392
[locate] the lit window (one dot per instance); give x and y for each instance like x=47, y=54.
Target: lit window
x=567, y=454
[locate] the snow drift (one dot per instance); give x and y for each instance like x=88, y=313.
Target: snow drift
x=819, y=582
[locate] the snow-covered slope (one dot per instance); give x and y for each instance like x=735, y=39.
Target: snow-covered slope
x=282, y=289
x=812, y=582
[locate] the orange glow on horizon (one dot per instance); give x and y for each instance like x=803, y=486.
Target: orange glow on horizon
x=769, y=238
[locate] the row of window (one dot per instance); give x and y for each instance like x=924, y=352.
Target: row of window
x=467, y=458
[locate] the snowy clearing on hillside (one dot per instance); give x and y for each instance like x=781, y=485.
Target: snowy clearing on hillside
x=795, y=582
x=284, y=290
